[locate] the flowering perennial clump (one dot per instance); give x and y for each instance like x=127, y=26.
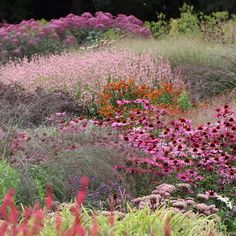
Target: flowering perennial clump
x=31, y=37
x=193, y=155
x=177, y=147
x=163, y=196
x=163, y=95
x=85, y=75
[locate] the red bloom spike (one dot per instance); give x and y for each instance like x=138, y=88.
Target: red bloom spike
x=94, y=230
x=81, y=194
x=48, y=199
x=58, y=222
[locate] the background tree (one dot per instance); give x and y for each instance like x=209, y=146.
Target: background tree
x=16, y=10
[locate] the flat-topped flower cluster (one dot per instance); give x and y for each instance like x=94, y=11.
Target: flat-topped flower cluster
x=32, y=37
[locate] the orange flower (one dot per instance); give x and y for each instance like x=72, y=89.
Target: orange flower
x=126, y=89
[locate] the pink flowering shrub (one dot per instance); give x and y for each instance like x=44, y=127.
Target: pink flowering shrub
x=85, y=75
x=30, y=37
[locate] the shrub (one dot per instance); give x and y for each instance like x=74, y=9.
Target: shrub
x=219, y=27
x=187, y=23
x=183, y=101
x=160, y=27
x=9, y=178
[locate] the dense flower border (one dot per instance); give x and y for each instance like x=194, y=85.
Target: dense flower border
x=33, y=37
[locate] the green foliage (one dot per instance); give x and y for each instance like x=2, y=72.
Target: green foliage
x=46, y=175
x=34, y=180
x=160, y=27
x=43, y=21
x=220, y=16
x=151, y=223
x=184, y=101
x=228, y=219
x=9, y=178
x=212, y=25
x=110, y=34
x=86, y=36
x=229, y=31
x=220, y=26
x=187, y=23
x=40, y=189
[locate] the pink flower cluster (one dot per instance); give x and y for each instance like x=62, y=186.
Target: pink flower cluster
x=101, y=21
x=33, y=37
x=178, y=148
x=85, y=75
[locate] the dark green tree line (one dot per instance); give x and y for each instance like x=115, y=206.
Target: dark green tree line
x=16, y=10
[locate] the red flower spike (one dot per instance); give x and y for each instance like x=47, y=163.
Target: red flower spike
x=23, y=228
x=94, y=230
x=81, y=194
x=111, y=217
x=167, y=230
x=3, y=228
x=13, y=216
x=58, y=222
x=48, y=199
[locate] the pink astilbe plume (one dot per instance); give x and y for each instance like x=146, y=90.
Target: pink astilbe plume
x=58, y=222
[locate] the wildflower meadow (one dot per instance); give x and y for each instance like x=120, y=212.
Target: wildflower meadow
x=106, y=128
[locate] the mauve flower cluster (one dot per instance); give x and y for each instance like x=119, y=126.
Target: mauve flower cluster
x=161, y=196
x=31, y=37
x=194, y=155
x=178, y=148
x=101, y=21
x=85, y=75
x=191, y=155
